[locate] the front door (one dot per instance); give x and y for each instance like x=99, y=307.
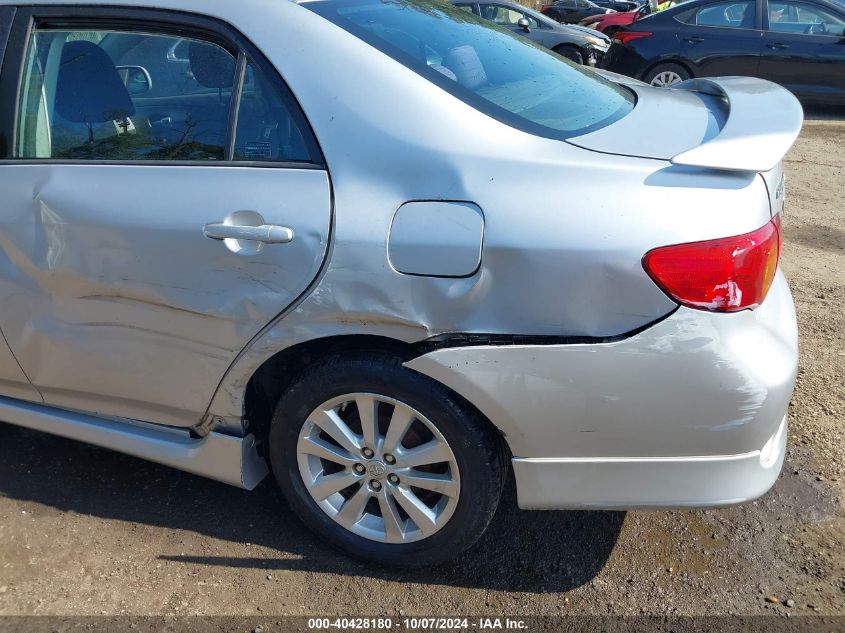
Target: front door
x=163, y=200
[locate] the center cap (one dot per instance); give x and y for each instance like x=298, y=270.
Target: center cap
x=376, y=469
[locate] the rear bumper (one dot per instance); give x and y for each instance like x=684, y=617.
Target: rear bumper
x=677, y=415
x=649, y=482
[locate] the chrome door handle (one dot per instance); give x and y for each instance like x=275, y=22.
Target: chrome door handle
x=265, y=233
x=778, y=45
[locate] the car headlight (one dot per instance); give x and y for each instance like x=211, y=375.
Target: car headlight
x=597, y=42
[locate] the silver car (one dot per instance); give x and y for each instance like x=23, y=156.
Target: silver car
x=391, y=254
x=580, y=44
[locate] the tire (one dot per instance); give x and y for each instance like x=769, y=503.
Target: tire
x=569, y=52
x=474, y=467
x=666, y=75
x=611, y=31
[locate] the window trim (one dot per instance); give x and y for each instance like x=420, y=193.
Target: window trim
x=160, y=21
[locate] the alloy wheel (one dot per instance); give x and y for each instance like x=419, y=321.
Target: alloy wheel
x=666, y=78
x=378, y=467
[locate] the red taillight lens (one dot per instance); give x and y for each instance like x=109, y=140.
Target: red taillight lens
x=724, y=275
x=623, y=37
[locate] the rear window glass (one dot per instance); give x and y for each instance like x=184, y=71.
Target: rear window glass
x=501, y=74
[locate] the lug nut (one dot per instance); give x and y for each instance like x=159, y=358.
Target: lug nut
x=368, y=453
x=390, y=459
x=392, y=478
x=375, y=484
x=359, y=468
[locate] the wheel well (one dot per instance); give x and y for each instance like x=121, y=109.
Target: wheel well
x=277, y=372
x=676, y=62
x=274, y=376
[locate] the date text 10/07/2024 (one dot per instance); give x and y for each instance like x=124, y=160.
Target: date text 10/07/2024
x=417, y=624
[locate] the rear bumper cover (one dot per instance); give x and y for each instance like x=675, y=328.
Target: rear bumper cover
x=677, y=415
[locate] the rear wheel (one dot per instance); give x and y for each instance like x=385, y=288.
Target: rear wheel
x=666, y=75
x=384, y=463
x=570, y=52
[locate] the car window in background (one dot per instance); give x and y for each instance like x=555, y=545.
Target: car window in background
x=735, y=15
x=506, y=16
x=802, y=17
x=466, y=7
x=486, y=66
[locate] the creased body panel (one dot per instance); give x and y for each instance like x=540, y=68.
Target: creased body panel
x=114, y=301
x=694, y=384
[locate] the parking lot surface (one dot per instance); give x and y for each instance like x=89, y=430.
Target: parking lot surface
x=86, y=531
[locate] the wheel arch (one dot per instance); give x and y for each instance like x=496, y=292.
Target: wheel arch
x=668, y=60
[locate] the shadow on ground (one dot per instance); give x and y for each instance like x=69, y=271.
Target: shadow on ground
x=543, y=551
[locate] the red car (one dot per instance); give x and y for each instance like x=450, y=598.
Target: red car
x=609, y=23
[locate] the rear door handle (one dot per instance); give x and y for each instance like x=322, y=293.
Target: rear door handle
x=778, y=45
x=694, y=39
x=265, y=233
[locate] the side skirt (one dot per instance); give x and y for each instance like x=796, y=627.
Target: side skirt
x=232, y=460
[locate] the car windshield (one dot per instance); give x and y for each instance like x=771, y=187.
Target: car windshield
x=497, y=72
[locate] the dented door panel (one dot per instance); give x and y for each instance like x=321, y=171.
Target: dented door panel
x=114, y=301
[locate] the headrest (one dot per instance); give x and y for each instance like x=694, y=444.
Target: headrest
x=464, y=62
x=89, y=88
x=213, y=67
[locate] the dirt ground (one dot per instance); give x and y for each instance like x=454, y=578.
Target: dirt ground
x=86, y=531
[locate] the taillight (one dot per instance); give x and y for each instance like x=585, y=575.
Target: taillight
x=724, y=275
x=623, y=37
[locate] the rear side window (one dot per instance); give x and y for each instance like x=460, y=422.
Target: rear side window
x=736, y=15
x=503, y=75
x=110, y=95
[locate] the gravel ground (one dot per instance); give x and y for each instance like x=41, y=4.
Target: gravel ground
x=86, y=531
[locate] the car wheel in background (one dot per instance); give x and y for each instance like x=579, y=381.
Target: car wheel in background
x=384, y=463
x=569, y=52
x=666, y=75
x=611, y=31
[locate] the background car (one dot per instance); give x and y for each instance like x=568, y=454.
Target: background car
x=573, y=11
x=618, y=5
x=609, y=23
x=579, y=44
x=796, y=43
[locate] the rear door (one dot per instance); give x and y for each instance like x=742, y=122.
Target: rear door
x=722, y=38
x=804, y=49
x=157, y=211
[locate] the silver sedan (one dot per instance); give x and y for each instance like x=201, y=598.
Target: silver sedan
x=391, y=253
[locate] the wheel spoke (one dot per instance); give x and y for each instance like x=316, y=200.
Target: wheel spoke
x=326, y=485
x=432, y=452
x=444, y=484
x=330, y=452
x=353, y=508
x=392, y=520
x=417, y=511
x=400, y=422
x=331, y=423
x=368, y=413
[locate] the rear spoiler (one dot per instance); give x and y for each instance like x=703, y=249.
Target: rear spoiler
x=763, y=120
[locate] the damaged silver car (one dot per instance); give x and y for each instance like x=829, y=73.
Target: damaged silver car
x=391, y=253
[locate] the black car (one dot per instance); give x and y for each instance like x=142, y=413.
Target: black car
x=799, y=44
x=573, y=11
